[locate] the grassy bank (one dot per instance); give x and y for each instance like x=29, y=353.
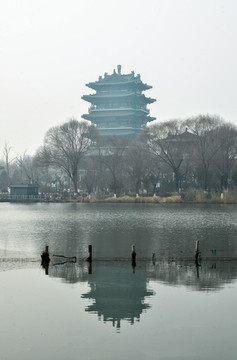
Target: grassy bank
x=142, y=199
x=197, y=197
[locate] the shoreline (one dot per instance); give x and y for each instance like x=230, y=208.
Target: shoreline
x=228, y=199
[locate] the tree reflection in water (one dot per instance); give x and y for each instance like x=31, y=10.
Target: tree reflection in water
x=117, y=292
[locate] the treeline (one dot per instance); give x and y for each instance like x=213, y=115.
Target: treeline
x=198, y=153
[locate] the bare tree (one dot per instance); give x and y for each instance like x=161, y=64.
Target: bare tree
x=226, y=159
x=208, y=144
x=112, y=158
x=171, y=145
x=27, y=168
x=138, y=163
x=65, y=145
x=6, y=155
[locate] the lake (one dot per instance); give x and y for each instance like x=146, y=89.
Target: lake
x=163, y=309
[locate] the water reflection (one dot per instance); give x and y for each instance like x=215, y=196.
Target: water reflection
x=45, y=260
x=117, y=293
x=166, y=231
x=210, y=276
x=76, y=294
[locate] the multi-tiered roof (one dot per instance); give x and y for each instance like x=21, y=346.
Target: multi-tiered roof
x=118, y=107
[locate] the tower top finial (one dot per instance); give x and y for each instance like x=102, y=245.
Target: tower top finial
x=119, y=69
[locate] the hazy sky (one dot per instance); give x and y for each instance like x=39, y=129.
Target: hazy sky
x=49, y=50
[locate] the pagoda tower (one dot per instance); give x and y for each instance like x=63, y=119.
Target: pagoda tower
x=119, y=107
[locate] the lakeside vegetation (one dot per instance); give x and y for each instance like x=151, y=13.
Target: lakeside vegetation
x=198, y=197
x=190, y=160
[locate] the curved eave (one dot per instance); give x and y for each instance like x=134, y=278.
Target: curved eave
x=114, y=112
x=107, y=97
x=98, y=85
x=94, y=115
x=150, y=118
x=119, y=128
x=94, y=97
x=87, y=117
x=150, y=100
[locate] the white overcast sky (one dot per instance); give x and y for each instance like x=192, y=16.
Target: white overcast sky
x=49, y=50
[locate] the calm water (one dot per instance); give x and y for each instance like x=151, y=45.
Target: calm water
x=168, y=231
x=110, y=310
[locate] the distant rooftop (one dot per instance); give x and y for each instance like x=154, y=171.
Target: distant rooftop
x=118, y=78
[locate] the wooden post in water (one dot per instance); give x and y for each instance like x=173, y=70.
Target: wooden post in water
x=197, y=252
x=45, y=259
x=45, y=255
x=89, y=267
x=133, y=256
x=90, y=253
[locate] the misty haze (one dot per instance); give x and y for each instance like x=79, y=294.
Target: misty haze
x=118, y=179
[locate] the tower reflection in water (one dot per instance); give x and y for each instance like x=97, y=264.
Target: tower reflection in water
x=118, y=293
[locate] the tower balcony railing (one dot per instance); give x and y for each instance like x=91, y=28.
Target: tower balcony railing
x=95, y=108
